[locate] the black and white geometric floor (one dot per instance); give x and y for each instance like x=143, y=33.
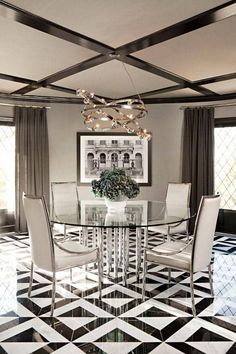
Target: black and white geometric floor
x=120, y=323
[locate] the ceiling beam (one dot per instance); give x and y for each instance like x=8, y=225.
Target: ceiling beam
x=191, y=24
x=162, y=90
x=32, y=82
x=155, y=92
x=84, y=65
x=61, y=89
x=68, y=90
x=35, y=98
x=228, y=96
x=121, y=53
x=211, y=80
x=21, y=80
x=141, y=64
x=49, y=99
x=39, y=23
x=100, y=59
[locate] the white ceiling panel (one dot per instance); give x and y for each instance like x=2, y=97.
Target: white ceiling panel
x=207, y=52
x=116, y=22
x=47, y=92
x=177, y=93
x=33, y=54
x=228, y=86
x=111, y=80
x=9, y=86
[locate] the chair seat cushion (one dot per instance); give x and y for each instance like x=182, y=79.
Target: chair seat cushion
x=66, y=260
x=162, y=229
x=180, y=260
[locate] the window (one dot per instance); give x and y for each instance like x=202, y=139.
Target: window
x=102, y=142
x=114, y=142
x=225, y=162
x=90, y=142
x=7, y=167
x=102, y=158
x=126, y=158
x=138, y=142
x=114, y=157
x=126, y=142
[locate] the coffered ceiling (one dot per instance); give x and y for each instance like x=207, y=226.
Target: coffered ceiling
x=173, y=50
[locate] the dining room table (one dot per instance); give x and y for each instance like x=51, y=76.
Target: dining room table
x=112, y=229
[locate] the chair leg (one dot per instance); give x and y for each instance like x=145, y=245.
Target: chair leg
x=167, y=235
x=169, y=275
x=31, y=278
x=53, y=292
x=187, y=234
x=64, y=226
x=71, y=275
x=192, y=295
x=210, y=279
x=144, y=275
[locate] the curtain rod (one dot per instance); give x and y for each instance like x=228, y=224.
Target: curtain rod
x=21, y=105
x=210, y=105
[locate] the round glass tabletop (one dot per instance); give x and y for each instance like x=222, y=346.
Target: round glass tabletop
x=136, y=213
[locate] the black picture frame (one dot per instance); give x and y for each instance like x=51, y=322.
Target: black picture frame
x=89, y=169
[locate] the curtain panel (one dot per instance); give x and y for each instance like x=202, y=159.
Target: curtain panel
x=198, y=153
x=32, y=158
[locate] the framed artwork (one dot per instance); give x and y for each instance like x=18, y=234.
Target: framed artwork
x=99, y=151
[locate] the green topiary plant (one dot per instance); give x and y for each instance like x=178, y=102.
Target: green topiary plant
x=114, y=185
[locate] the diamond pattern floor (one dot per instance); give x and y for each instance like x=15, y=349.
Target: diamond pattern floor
x=120, y=323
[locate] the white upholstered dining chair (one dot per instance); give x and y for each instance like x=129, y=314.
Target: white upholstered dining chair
x=65, y=200
x=177, y=201
x=49, y=255
x=194, y=256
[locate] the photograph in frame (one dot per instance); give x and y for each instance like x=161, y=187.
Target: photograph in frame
x=97, y=152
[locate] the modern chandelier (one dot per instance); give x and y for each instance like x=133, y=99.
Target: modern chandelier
x=102, y=116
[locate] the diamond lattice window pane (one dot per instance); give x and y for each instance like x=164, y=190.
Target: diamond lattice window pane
x=7, y=167
x=225, y=166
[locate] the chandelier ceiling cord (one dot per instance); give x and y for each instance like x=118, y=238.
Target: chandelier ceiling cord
x=101, y=116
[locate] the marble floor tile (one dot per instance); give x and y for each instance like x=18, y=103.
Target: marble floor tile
x=120, y=322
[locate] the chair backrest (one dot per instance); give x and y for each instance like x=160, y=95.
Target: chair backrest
x=178, y=193
x=64, y=198
x=41, y=241
x=177, y=198
x=204, y=231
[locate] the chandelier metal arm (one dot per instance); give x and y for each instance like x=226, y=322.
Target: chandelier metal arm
x=100, y=115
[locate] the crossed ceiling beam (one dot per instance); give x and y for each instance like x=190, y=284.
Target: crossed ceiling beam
x=75, y=100
x=188, y=25
x=122, y=53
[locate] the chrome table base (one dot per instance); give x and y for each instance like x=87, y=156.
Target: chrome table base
x=114, y=248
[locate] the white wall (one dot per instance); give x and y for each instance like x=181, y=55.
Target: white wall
x=229, y=111
x=164, y=121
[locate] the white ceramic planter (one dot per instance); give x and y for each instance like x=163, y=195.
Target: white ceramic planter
x=115, y=205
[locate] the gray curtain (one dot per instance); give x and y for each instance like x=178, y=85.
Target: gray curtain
x=32, y=158
x=198, y=153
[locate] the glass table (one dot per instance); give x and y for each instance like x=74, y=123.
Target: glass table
x=111, y=229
